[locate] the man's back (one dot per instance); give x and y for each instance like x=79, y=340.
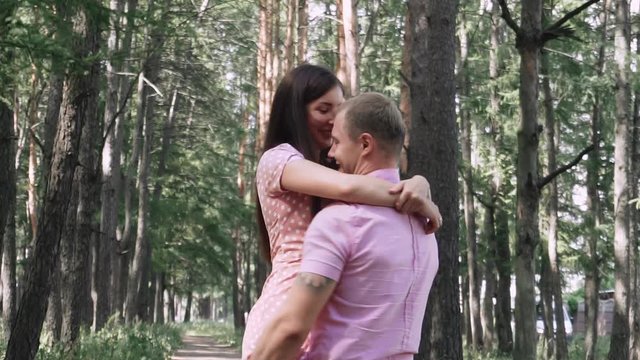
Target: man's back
x=384, y=265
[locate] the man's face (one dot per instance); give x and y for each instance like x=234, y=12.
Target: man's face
x=344, y=150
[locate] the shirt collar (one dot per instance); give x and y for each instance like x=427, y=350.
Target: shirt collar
x=390, y=174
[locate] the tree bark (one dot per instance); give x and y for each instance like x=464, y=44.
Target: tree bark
x=9, y=265
x=469, y=203
x=8, y=215
x=24, y=340
x=32, y=118
x=560, y=346
x=634, y=227
x=7, y=168
x=434, y=125
x=303, y=30
x=119, y=250
x=110, y=174
x=619, y=348
x=159, y=299
x=351, y=47
x=527, y=193
x=289, y=50
x=187, y=309
x=592, y=272
x=77, y=275
x=502, y=252
x=137, y=287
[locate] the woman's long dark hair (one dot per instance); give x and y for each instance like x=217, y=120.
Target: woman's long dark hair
x=288, y=123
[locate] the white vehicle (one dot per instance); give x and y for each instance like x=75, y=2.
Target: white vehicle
x=568, y=326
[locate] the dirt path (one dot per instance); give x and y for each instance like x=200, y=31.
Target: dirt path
x=203, y=348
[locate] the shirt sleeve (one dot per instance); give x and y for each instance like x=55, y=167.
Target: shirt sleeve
x=327, y=243
x=271, y=167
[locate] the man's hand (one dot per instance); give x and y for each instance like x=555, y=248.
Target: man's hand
x=415, y=198
x=283, y=338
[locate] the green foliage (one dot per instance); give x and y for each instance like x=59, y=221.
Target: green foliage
x=141, y=341
x=577, y=351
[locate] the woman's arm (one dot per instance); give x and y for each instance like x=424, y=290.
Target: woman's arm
x=309, y=178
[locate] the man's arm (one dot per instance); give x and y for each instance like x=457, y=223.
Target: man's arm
x=286, y=333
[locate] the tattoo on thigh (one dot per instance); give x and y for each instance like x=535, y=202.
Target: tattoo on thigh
x=317, y=283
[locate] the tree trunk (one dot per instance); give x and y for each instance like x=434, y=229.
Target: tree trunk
x=32, y=118
x=7, y=134
x=171, y=311
x=619, y=348
x=9, y=265
x=466, y=321
x=501, y=220
x=488, y=323
x=119, y=250
x=527, y=193
x=341, y=65
x=24, y=340
x=137, y=287
x=592, y=272
x=434, y=125
x=303, y=30
x=289, y=51
x=469, y=204
x=8, y=201
x=77, y=284
x=187, y=309
x=351, y=47
x=110, y=174
x=561, y=351
x=159, y=299
x=53, y=322
x=546, y=303
x=634, y=229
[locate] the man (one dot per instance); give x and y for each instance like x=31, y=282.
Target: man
x=366, y=271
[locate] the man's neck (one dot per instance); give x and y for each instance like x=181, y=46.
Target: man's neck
x=367, y=167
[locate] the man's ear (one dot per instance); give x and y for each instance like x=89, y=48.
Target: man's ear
x=367, y=142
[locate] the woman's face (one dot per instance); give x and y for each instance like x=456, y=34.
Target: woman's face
x=320, y=115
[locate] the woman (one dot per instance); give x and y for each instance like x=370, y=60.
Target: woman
x=291, y=181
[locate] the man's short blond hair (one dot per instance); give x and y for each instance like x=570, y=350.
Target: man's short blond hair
x=376, y=114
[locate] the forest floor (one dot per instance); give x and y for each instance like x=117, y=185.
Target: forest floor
x=204, y=348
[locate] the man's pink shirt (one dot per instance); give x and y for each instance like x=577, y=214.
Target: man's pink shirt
x=384, y=264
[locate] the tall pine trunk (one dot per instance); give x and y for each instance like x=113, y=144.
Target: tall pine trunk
x=502, y=252
x=561, y=351
x=110, y=174
x=528, y=195
x=592, y=272
x=619, y=348
x=434, y=128
x=24, y=340
x=8, y=146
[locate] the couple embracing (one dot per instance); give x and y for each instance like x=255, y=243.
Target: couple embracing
x=350, y=279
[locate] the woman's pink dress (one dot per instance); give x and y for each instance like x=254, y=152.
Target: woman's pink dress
x=287, y=215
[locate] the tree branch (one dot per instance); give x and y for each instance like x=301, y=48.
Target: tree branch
x=372, y=25
x=506, y=15
x=112, y=121
x=547, y=179
x=479, y=197
x=558, y=24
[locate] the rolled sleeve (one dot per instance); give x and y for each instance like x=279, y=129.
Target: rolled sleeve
x=327, y=243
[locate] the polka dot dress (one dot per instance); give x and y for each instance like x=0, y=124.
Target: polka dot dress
x=287, y=216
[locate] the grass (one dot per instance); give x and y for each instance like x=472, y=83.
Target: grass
x=576, y=351
x=117, y=342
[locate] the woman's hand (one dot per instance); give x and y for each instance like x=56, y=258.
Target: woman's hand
x=415, y=197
